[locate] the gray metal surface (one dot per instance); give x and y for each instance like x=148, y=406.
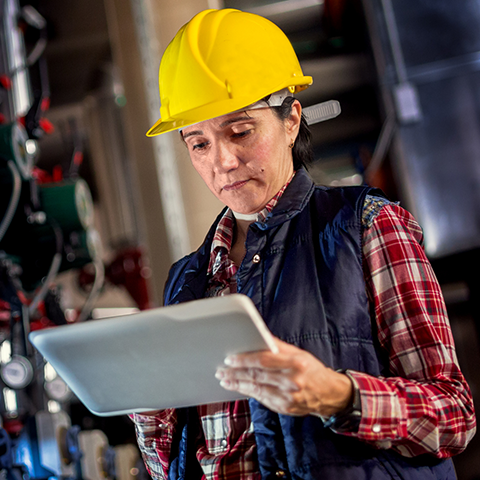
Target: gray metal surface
x=433, y=30
x=437, y=157
x=439, y=165
x=289, y=15
x=17, y=100
x=51, y=428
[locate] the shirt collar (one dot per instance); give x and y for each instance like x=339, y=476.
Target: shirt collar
x=222, y=240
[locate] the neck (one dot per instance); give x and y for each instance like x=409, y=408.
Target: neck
x=237, y=252
x=242, y=222
x=242, y=228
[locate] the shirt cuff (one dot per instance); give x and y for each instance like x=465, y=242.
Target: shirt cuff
x=383, y=419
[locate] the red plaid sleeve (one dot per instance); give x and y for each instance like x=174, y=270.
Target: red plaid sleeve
x=154, y=437
x=425, y=406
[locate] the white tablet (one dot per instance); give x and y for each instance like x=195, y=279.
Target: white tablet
x=155, y=359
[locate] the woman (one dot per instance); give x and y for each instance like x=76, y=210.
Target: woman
x=366, y=382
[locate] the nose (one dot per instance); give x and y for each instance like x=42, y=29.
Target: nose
x=225, y=157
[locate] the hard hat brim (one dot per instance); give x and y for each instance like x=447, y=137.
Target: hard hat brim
x=217, y=109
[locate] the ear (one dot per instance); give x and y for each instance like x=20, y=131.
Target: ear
x=294, y=119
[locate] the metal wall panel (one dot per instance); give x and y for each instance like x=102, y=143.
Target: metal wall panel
x=439, y=164
x=437, y=159
x=434, y=30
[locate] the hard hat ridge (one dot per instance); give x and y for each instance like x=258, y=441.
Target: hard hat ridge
x=220, y=62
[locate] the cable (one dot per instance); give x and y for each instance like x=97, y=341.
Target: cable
x=37, y=51
x=383, y=144
x=25, y=330
x=52, y=272
x=96, y=288
x=35, y=20
x=14, y=199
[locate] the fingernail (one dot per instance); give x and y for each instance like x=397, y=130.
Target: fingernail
x=225, y=384
x=219, y=374
x=228, y=361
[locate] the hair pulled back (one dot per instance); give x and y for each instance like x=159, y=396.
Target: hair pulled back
x=302, y=151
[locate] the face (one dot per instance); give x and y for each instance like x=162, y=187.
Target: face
x=244, y=157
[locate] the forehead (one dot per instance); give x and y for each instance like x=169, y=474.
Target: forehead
x=225, y=121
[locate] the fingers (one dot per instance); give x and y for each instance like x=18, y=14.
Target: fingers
x=277, y=378
x=277, y=400
x=291, y=381
x=288, y=356
x=256, y=360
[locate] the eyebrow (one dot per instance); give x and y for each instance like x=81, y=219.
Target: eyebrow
x=234, y=120
x=222, y=125
x=189, y=134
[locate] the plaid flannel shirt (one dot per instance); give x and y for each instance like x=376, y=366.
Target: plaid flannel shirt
x=424, y=407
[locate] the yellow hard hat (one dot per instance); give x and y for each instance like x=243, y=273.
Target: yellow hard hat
x=222, y=61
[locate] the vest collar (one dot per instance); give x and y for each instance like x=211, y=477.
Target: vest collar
x=292, y=202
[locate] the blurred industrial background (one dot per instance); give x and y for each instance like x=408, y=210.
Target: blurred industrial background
x=93, y=213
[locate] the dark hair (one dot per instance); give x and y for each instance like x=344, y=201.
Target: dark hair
x=302, y=151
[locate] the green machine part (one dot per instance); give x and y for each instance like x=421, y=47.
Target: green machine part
x=66, y=206
x=69, y=203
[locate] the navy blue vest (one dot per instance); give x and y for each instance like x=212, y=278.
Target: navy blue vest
x=309, y=288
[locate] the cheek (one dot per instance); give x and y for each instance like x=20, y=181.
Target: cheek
x=264, y=156
x=200, y=166
x=206, y=174
x=203, y=171
x=199, y=169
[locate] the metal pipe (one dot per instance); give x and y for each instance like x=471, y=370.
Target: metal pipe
x=394, y=38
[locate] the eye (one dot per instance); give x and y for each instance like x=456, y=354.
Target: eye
x=199, y=146
x=242, y=134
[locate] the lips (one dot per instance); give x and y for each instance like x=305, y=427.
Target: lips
x=235, y=185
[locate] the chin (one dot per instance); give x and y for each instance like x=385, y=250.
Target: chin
x=246, y=210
